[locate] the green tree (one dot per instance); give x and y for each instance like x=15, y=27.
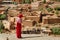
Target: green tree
x=56, y=30
x=57, y=12
x=49, y=9
x=1, y=26
x=57, y=8
x=44, y=1
x=2, y=16
x=26, y=1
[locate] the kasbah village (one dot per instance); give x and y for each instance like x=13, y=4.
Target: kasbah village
x=41, y=19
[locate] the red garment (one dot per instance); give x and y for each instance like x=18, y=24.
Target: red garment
x=18, y=30
x=20, y=15
x=19, y=27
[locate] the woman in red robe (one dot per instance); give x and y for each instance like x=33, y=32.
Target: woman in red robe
x=19, y=25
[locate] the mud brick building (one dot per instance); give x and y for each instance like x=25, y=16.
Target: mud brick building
x=35, y=18
x=49, y=20
x=13, y=13
x=2, y=9
x=27, y=23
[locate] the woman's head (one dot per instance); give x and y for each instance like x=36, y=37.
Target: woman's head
x=20, y=15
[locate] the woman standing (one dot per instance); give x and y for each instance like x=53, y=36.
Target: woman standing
x=19, y=25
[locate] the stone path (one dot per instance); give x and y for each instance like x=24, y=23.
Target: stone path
x=28, y=37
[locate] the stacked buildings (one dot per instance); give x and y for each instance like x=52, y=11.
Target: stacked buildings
x=36, y=14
